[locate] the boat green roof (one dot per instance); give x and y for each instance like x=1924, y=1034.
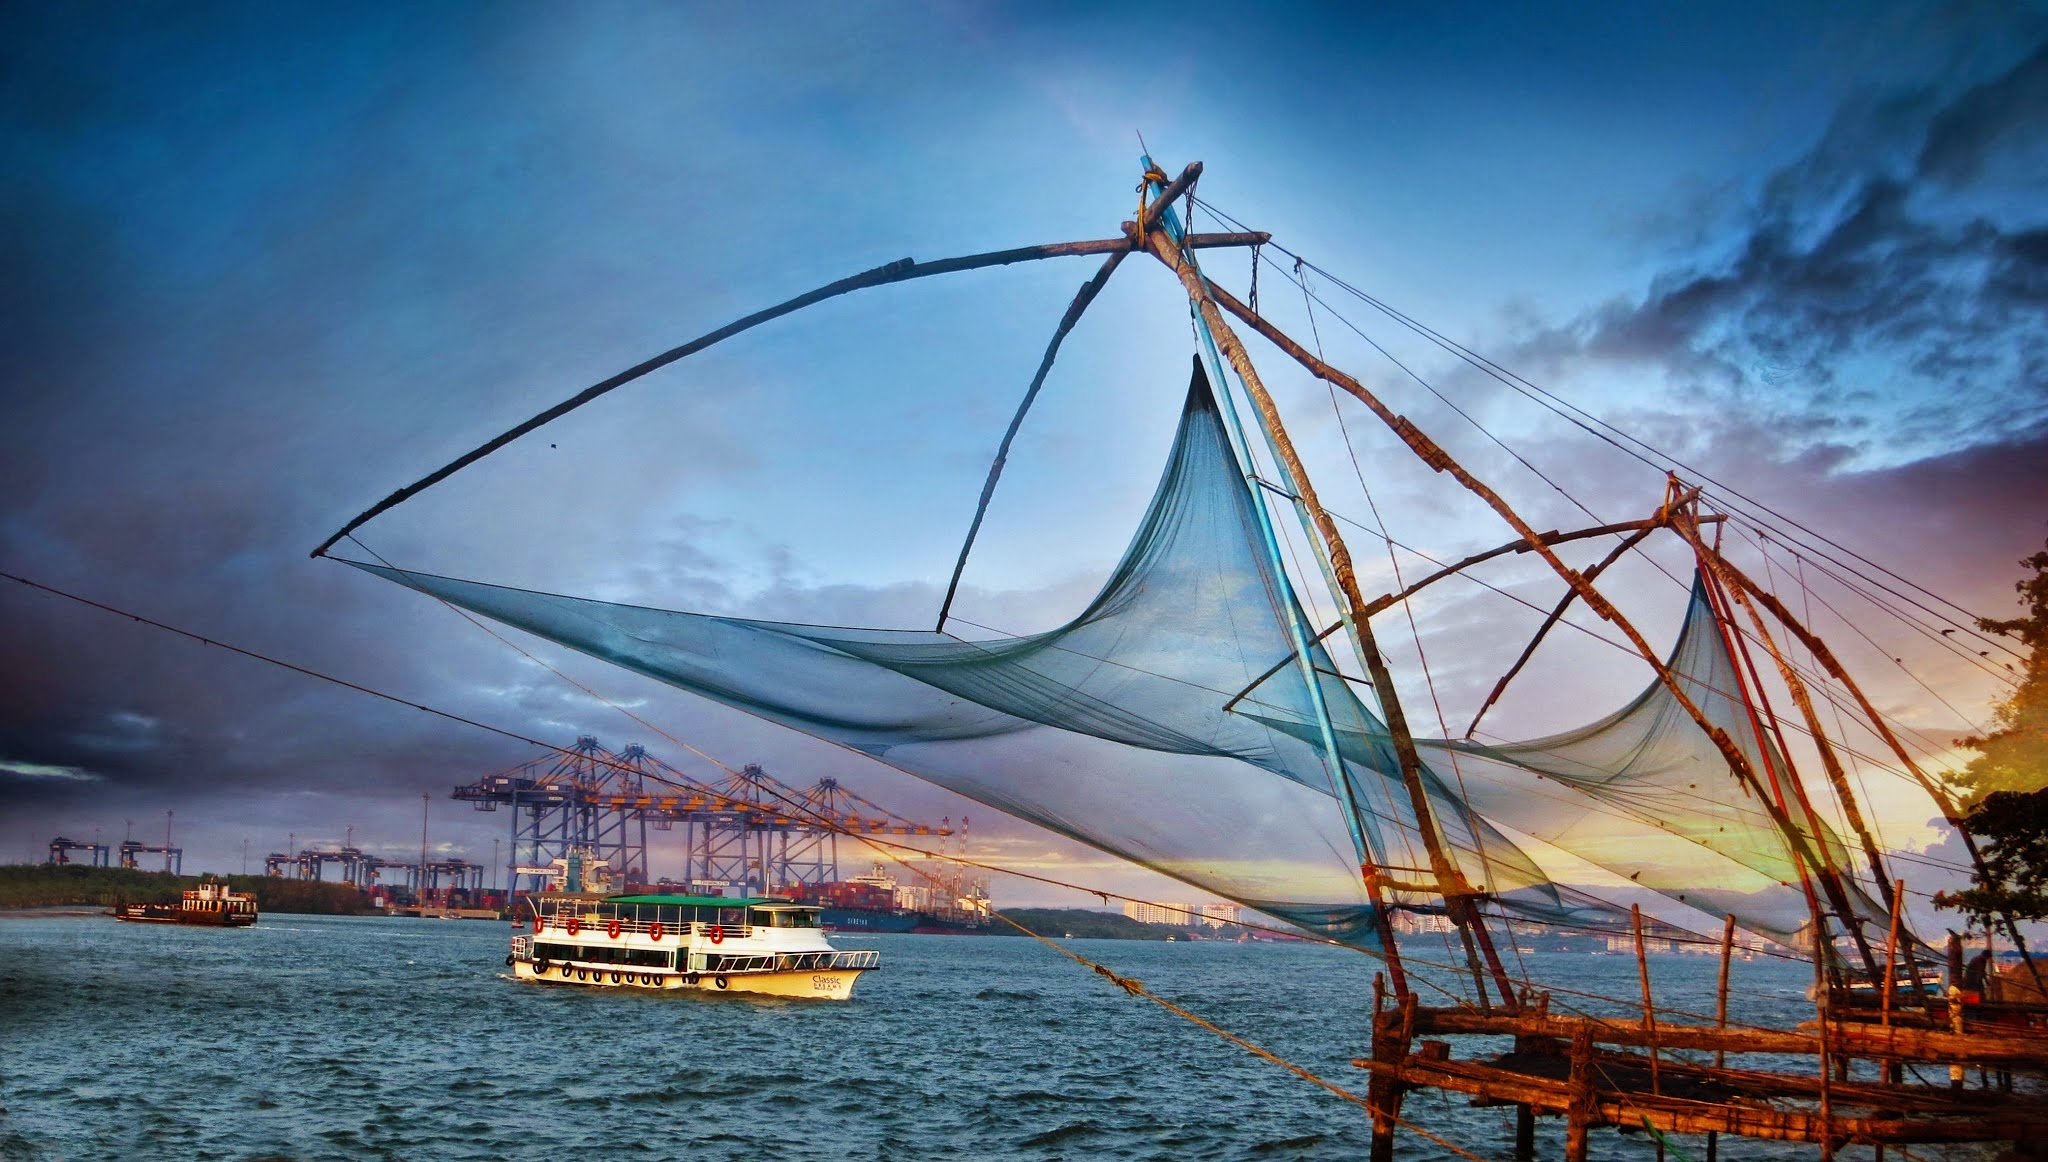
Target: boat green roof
x=695, y=901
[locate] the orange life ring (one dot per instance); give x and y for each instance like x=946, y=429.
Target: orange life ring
x=612, y=930
x=573, y=926
x=717, y=934
x=657, y=932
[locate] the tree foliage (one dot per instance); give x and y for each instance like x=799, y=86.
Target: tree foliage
x=2014, y=755
x=2012, y=826
x=2007, y=782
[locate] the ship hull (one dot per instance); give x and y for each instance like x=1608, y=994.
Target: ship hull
x=824, y=984
x=145, y=915
x=875, y=920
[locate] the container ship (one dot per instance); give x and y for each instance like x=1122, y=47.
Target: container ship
x=877, y=903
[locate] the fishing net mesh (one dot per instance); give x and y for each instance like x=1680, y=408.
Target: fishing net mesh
x=1170, y=724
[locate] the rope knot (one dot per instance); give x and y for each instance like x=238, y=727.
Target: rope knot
x=1131, y=985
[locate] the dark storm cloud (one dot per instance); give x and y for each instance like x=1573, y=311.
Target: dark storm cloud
x=1884, y=291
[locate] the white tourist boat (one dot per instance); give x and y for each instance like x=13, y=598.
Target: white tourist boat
x=765, y=947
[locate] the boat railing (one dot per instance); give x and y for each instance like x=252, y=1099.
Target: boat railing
x=792, y=961
x=597, y=922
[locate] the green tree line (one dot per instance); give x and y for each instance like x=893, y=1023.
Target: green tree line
x=48, y=885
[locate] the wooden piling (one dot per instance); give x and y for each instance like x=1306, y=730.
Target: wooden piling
x=1891, y=946
x=1721, y=1016
x=1392, y=1029
x=1649, y=1006
x=1581, y=1110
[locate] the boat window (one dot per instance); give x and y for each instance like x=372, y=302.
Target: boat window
x=763, y=918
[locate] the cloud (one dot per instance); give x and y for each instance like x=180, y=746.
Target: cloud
x=28, y=770
x=1883, y=292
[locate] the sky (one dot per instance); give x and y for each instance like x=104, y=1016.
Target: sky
x=264, y=264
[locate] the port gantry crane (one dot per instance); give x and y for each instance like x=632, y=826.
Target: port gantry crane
x=61, y=849
x=748, y=830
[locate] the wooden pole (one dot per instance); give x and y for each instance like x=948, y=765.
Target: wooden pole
x=1649, y=1005
x=1721, y=1014
x=1458, y=894
x=1082, y=298
x=901, y=270
x=1387, y=601
x=1583, y=1107
x=1891, y=946
x=1556, y=614
x=1821, y=1008
x=1955, y=1003
x=1392, y=1029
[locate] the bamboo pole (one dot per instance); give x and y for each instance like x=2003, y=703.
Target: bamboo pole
x=1641, y=528
x=1557, y=613
x=1387, y=601
x=1082, y=298
x=901, y=270
x=1457, y=892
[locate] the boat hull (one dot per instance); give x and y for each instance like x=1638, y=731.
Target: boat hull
x=197, y=920
x=833, y=984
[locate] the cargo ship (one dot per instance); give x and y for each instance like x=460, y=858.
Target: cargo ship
x=876, y=902
x=210, y=905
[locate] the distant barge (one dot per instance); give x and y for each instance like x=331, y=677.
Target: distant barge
x=207, y=906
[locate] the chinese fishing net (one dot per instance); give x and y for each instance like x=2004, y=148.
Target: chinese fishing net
x=1150, y=727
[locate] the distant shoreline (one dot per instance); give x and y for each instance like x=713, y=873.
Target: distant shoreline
x=90, y=889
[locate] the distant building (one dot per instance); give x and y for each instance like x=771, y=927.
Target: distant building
x=1218, y=915
x=1145, y=913
x=1415, y=923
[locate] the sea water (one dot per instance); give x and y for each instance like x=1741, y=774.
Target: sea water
x=375, y=1038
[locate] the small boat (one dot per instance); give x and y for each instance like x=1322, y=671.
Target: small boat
x=763, y=946
x=210, y=905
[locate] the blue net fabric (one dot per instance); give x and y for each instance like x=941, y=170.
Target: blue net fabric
x=1110, y=729
x=1155, y=726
